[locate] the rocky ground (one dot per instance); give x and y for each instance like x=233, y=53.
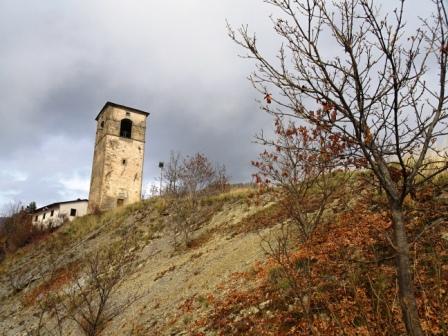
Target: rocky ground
x=163, y=277
x=223, y=283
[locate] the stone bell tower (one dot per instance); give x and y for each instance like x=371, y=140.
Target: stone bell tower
x=118, y=157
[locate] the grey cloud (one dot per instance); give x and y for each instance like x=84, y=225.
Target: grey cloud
x=60, y=61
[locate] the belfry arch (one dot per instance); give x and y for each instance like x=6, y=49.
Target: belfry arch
x=126, y=128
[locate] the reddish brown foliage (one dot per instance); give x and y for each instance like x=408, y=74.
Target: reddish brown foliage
x=59, y=278
x=268, y=98
x=352, y=277
x=19, y=230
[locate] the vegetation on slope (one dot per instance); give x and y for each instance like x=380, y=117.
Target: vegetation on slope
x=47, y=271
x=342, y=280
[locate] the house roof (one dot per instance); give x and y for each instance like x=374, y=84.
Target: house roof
x=122, y=107
x=52, y=205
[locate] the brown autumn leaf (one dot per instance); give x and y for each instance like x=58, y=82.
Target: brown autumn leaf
x=268, y=98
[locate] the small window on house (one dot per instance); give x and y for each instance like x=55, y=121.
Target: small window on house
x=120, y=202
x=43, y=217
x=123, y=161
x=35, y=218
x=52, y=213
x=72, y=212
x=128, y=114
x=102, y=124
x=126, y=128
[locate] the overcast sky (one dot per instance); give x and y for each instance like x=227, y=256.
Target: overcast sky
x=60, y=61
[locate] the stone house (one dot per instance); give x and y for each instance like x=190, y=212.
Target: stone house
x=53, y=215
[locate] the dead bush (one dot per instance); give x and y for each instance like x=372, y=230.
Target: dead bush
x=18, y=228
x=86, y=300
x=193, y=175
x=172, y=173
x=183, y=223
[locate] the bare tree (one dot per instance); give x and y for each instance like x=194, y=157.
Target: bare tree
x=89, y=301
x=197, y=174
x=183, y=223
x=382, y=86
x=299, y=279
x=221, y=179
x=308, y=166
x=18, y=228
x=193, y=175
x=172, y=172
x=87, y=298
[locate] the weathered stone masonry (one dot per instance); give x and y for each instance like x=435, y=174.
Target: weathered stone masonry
x=118, y=157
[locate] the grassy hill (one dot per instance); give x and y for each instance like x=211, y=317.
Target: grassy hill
x=229, y=277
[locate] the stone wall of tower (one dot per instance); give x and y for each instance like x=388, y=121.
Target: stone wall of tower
x=97, y=173
x=118, y=162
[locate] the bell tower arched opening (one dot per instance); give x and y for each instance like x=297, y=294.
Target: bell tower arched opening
x=126, y=128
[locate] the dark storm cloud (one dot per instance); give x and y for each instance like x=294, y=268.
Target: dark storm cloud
x=60, y=61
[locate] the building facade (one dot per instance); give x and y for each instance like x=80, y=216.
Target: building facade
x=53, y=215
x=118, y=157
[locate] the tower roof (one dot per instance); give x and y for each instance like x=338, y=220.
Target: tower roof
x=124, y=107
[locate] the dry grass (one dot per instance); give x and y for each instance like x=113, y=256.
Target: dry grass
x=352, y=279
x=234, y=194
x=83, y=226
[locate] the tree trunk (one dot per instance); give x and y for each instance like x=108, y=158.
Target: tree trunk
x=405, y=280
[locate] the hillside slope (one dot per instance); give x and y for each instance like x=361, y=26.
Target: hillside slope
x=163, y=277
x=225, y=283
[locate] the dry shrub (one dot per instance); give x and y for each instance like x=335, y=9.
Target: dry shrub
x=341, y=281
x=188, y=217
x=19, y=230
x=193, y=175
x=183, y=223
x=83, y=293
x=88, y=302
x=58, y=279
